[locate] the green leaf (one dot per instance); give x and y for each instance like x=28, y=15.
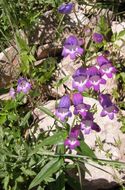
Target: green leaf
x=121, y=34
x=62, y=81
x=40, y=188
x=10, y=104
x=59, y=184
x=25, y=119
x=2, y=119
x=27, y=172
x=50, y=168
x=22, y=44
x=47, y=111
x=57, y=138
x=85, y=150
x=5, y=182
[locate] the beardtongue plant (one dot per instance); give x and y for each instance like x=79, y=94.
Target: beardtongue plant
x=43, y=162
x=70, y=136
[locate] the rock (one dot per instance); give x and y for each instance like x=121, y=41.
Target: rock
x=102, y=177
x=79, y=18
x=67, y=67
x=119, y=43
x=45, y=121
x=111, y=85
x=9, y=66
x=5, y=97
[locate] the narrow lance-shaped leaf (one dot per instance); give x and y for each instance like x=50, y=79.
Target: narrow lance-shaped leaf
x=85, y=150
x=47, y=171
x=25, y=119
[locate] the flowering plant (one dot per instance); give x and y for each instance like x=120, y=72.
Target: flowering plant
x=35, y=157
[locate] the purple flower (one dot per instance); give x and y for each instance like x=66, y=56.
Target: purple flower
x=65, y=102
x=72, y=141
x=23, y=86
x=88, y=124
x=81, y=109
x=97, y=38
x=72, y=47
x=108, y=107
x=80, y=79
x=77, y=99
x=12, y=93
x=105, y=66
x=102, y=60
x=66, y=8
x=95, y=78
x=62, y=110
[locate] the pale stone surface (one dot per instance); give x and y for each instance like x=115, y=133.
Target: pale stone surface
x=102, y=177
x=79, y=18
x=9, y=66
x=119, y=43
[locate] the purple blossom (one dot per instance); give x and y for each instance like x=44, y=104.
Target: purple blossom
x=12, y=93
x=66, y=8
x=88, y=124
x=95, y=78
x=80, y=79
x=72, y=140
x=105, y=66
x=62, y=110
x=102, y=60
x=72, y=47
x=65, y=102
x=23, y=86
x=97, y=38
x=81, y=109
x=109, y=108
x=77, y=99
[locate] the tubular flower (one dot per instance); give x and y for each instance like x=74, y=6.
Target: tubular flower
x=77, y=99
x=105, y=66
x=88, y=124
x=62, y=110
x=66, y=8
x=109, y=108
x=23, y=86
x=95, y=78
x=97, y=38
x=72, y=47
x=12, y=93
x=80, y=107
x=72, y=140
x=80, y=79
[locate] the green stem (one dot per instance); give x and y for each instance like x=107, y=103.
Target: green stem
x=59, y=23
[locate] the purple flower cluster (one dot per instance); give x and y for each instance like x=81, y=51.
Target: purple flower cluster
x=72, y=47
x=93, y=77
x=85, y=78
x=23, y=86
x=80, y=109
